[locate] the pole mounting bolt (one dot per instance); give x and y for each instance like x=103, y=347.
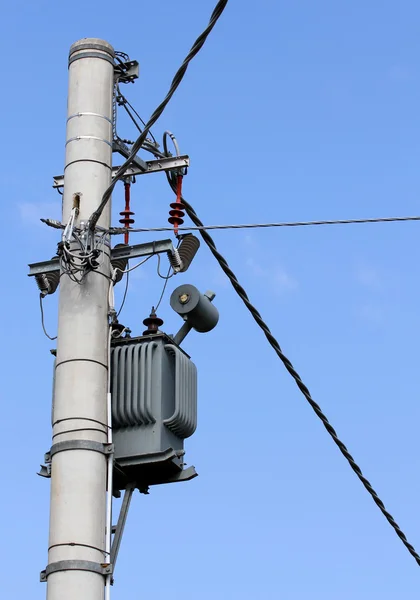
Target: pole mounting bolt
x=184, y=298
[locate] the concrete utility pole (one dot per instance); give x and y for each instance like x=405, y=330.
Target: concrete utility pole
x=79, y=453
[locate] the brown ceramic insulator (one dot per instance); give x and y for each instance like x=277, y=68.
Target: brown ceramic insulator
x=152, y=323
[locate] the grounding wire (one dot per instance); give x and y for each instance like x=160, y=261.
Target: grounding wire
x=179, y=75
x=290, y=368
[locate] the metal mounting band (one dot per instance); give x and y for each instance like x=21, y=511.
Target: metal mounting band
x=75, y=565
x=88, y=137
x=106, y=57
x=91, y=46
x=88, y=114
x=102, y=448
x=87, y=51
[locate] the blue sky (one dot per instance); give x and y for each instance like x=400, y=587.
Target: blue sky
x=293, y=111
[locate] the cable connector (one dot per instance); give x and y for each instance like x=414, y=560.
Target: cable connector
x=175, y=260
x=53, y=223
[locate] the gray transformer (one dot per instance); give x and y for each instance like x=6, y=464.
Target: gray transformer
x=154, y=408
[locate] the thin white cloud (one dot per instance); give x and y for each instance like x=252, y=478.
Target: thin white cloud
x=372, y=313
x=401, y=73
x=275, y=275
x=31, y=212
x=368, y=276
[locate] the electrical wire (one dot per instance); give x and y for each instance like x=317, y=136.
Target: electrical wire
x=125, y=294
x=179, y=75
x=127, y=271
x=139, y=264
x=119, y=230
x=167, y=278
x=125, y=103
x=121, y=54
x=158, y=269
x=174, y=141
x=163, y=290
x=42, y=319
x=78, y=265
x=290, y=368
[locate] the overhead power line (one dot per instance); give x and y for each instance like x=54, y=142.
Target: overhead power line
x=119, y=230
x=178, y=77
x=290, y=368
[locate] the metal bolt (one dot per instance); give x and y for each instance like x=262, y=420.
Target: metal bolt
x=184, y=298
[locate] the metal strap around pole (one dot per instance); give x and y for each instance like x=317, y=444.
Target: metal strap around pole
x=102, y=448
x=75, y=565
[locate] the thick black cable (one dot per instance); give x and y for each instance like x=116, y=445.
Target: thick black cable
x=179, y=75
x=290, y=368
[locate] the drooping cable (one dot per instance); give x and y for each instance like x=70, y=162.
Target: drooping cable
x=179, y=75
x=290, y=368
x=41, y=297
x=127, y=283
x=167, y=278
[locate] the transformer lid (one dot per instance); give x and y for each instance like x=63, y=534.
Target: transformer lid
x=161, y=337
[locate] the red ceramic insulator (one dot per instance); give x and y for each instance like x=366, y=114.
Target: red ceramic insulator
x=126, y=214
x=177, y=212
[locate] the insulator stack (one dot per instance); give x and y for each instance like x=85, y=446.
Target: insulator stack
x=177, y=212
x=175, y=260
x=152, y=323
x=47, y=282
x=120, y=264
x=187, y=250
x=127, y=214
x=176, y=215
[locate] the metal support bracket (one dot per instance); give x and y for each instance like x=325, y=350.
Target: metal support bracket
x=78, y=445
x=142, y=167
x=45, y=471
x=49, y=266
x=119, y=528
x=184, y=475
x=76, y=565
x=124, y=150
x=127, y=72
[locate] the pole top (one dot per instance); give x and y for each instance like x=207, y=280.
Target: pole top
x=91, y=45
